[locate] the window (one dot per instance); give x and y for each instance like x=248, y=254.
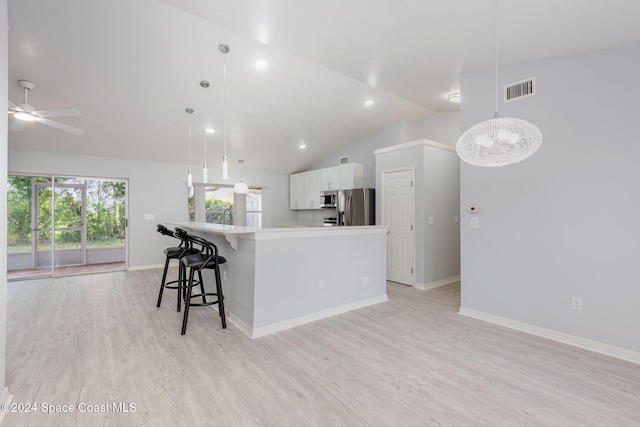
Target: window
x=254, y=208
x=218, y=204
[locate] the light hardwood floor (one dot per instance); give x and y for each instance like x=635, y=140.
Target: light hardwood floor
x=99, y=339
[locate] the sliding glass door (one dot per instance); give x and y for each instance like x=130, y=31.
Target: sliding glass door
x=65, y=225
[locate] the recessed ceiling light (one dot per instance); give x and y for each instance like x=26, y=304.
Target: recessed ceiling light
x=368, y=103
x=454, y=97
x=211, y=130
x=302, y=145
x=261, y=64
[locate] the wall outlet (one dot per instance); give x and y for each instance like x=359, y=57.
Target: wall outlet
x=321, y=284
x=456, y=219
x=224, y=274
x=576, y=303
x=365, y=281
x=148, y=217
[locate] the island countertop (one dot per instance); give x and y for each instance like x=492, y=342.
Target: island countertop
x=278, y=278
x=231, y=232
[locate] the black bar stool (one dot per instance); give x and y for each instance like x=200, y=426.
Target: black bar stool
x=175, y=252
x=207, y=258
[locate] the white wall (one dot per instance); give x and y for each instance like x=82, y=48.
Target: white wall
x=440, y=127
x=560, y=224
x=4, y=94
x=154, y=188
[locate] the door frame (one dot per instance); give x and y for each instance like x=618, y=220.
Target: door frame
x=34, y=251
x=412, y=210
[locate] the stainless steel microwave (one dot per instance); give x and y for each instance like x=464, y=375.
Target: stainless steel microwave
x=328, y=199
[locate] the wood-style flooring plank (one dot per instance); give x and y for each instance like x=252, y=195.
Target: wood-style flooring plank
x=411, y=361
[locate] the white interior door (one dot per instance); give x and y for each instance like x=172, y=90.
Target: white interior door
x=398, y=214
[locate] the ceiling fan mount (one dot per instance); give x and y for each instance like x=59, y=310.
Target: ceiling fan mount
x=24, y=113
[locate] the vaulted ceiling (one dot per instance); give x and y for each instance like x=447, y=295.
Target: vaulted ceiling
x=131, y=67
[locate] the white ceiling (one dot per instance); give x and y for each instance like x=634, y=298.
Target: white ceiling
x=132, y=66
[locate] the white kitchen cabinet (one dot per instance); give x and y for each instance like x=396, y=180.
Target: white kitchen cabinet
x=305, y=187
x=296, y=191
x=331, y=178
x=351, y=176
x=304, y=190
x=312, y=185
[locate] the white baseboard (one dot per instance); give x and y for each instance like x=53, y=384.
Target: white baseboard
x=5, y=397
x=281, y=326
x=244, y=328
x=145, y=267
x=595, y=346
x=437, y=283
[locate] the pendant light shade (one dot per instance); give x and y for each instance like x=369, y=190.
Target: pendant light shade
x=499, y=141
x=240, y=188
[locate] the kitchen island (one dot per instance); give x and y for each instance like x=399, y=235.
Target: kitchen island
x=278, y=278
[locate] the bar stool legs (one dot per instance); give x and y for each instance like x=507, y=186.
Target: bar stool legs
x=218, y=294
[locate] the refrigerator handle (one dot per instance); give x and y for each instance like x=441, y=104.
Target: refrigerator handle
x=348, y=209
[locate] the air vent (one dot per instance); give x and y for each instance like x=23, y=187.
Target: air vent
x=519, y=90
x=343, y=160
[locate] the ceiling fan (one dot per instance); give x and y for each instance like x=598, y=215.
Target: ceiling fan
x=23, y=113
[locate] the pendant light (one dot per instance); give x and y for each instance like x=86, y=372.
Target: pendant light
x=225, y=165
x=501, y=140
x=189, y=176
x=205, y=170
x=241, y=188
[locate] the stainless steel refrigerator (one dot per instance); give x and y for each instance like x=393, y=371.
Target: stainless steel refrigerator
x=356, y=207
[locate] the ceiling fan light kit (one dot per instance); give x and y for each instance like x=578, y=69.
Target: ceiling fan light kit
x=24, y=113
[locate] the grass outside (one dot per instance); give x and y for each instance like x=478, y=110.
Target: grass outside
x=93, y=244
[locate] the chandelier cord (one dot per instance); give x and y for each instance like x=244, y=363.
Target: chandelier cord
x=495, y=40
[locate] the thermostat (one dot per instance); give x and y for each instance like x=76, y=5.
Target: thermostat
x=472, y=209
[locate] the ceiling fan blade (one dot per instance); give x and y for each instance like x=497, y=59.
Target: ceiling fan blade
x=69, y=112
x=14, y=107
x=17, y=124
x=60, y=126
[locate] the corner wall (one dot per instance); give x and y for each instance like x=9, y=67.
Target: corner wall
x=4, y=94
x=559, y=224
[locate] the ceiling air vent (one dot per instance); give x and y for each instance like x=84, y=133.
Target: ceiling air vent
x=343, y=160
x=519, y=90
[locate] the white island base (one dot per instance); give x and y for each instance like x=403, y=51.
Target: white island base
x=278, y=278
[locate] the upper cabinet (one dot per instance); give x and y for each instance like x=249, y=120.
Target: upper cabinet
x=305, y=187
x=296, y=191
x=351, y=176
x=330, y=178
x=312, y=184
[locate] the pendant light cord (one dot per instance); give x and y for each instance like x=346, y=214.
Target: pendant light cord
x=224, y=101
x=189, y=126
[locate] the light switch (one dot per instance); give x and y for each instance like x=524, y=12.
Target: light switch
x=474, y=222
x=148, y=217
x=430, y=220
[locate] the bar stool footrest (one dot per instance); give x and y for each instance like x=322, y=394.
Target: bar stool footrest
x=204, y=304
